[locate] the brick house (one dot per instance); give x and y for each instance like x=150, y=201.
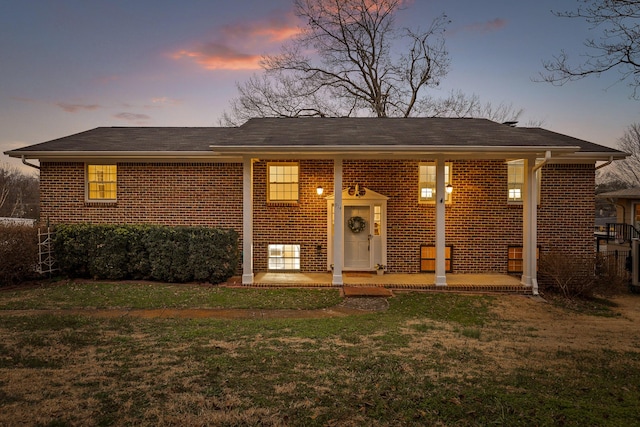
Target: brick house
x=414, y=195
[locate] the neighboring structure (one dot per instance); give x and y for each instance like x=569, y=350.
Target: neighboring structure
x=622, y=236
x=339, y=194
x=626, y=226
x=627, y=203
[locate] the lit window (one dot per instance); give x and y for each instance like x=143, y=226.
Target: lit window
x=377, y=220
x=515, y=261
x=283, y=182
x=102, y=182
x=428, y=258
x=515, y=179
x=427, y=182
x=284, y=257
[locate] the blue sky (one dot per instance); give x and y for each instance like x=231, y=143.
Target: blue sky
x=72, y=65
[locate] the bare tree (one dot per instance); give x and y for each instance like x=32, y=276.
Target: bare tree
x=617, y=48
x=627, y=171
x=459, y=104
x=19, y=193
x=7, y=178
x=342, y=63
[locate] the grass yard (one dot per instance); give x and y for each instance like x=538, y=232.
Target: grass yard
x=429, y=359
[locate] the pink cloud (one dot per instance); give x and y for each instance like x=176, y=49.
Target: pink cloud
x=487, y=27
x=74, y=108
x=240, y=46
x=275, y=29
x=107, y=79
x=133, y=117
x=164, y=101
x=215, y=56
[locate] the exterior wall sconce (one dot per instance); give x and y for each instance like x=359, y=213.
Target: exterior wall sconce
x=449, y=188
x=319, y=190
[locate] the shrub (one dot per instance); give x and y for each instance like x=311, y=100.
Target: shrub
x=168, y=254
x=574, y=276
x=18, y=253
x=568, y=274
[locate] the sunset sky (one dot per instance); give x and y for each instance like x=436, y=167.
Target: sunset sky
x=71, y=65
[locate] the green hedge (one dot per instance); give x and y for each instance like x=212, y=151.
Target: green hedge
x=167, y=254
x=18, y=253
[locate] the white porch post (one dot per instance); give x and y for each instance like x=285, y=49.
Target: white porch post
x=441, y=278
x=338, y=224
x=529, y=224
x=247, y=221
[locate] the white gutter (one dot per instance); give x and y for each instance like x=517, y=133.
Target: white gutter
x=90, y=154
x=24, y=161
x=605, y=164
x=340, y=149
x=547, y=157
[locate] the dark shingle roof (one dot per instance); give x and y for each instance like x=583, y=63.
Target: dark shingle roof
x=283, y=133
x=135, y=139
x=381, y=132
x=585, y=146
x=628, y=193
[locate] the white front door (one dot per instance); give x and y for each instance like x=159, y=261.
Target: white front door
x=357, y=244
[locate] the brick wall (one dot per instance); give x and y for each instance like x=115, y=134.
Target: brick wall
x=206, y=194
x=480, y=223
x=303, y=223
x=567, y=209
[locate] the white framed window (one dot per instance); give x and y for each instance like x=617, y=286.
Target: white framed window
x=102, y=182
x=284, y=257
x=283, y=179
x=427, y=182
x=515, y=262
x=515, y=181
x=377, y=220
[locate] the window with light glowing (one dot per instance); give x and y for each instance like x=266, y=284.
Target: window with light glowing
x=102, y=182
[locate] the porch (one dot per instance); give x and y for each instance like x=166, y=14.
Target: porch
x=500, y=283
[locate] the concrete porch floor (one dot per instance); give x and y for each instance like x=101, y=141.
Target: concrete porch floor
x=455, y=282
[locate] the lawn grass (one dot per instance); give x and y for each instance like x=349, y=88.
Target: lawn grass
x=66, y=295
x=430, y=359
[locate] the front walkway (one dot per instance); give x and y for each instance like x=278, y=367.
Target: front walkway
x=455, y=282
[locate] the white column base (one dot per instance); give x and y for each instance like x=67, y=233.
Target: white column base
x=247, y=279
x=337, y=280
x=441, y=280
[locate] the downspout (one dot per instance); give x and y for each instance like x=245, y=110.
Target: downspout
x=24, y=161
x=605, y=164
x=547, y=157
x=534, y=281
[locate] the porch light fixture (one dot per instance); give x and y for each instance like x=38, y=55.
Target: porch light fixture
x=449, y=188
x=319, y=190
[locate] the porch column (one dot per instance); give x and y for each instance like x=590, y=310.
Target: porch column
x=247, y=221
x=338, y=224
x=441, y=278
x=529, y=225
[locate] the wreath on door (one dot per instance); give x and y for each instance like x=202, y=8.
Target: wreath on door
x=356, y=224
